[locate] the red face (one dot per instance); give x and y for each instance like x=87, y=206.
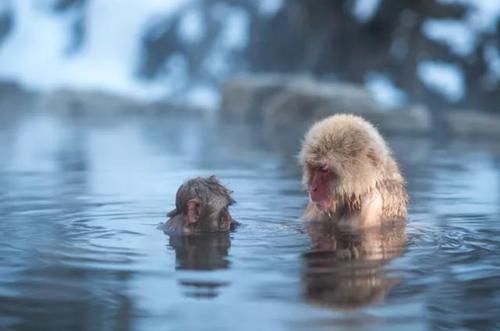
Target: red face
x=212, y=221
x=225, y=220
x=319, y=187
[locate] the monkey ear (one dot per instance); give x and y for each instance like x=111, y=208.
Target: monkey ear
x=193, y=211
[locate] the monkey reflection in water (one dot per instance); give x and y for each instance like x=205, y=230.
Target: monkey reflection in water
x=201, y=252
x=345, y=269
x=199, y=230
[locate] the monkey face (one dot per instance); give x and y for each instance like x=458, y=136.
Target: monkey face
x=225, y=220
x=213, y=219
x=320, y=186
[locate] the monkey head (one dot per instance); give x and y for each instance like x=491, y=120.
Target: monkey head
x=343, y=157
x=201, y=206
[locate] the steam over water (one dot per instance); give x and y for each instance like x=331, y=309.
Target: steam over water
x=80, y=201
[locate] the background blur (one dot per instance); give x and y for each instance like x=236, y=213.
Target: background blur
x=443, y=53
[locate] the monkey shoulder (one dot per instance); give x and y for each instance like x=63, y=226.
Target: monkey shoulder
x=395, y=199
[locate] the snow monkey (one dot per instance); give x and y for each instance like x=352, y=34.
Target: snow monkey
x=201, y=206
x=350, y=174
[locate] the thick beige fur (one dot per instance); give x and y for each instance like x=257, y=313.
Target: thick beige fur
x=370, y=188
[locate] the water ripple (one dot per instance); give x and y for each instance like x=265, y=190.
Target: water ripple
x=80, y=248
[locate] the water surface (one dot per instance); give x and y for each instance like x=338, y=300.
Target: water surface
x=81, y=199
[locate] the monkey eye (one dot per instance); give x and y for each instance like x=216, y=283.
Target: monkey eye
x=324, y=169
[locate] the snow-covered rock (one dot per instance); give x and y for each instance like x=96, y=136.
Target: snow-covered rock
x=244, y=98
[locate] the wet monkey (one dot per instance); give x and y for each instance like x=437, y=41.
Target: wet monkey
x=201, y=206
x=350, y=174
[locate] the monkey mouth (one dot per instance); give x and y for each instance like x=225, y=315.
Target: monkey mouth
x=323, y=204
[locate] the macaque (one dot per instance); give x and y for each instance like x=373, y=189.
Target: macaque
x=201, y=206
x=350, y=174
